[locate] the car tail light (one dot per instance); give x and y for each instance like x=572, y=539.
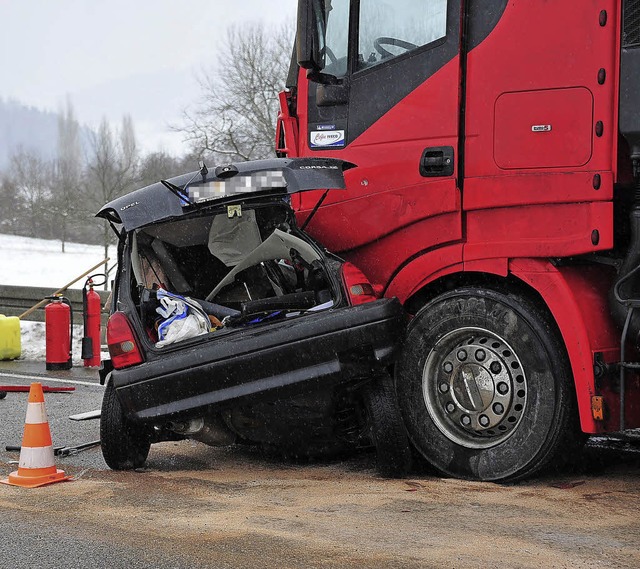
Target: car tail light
x=358, y=287
x=122, y=342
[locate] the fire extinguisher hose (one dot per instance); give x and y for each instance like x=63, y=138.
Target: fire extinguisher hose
x=87, y=342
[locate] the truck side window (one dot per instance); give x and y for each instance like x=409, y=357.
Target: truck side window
x=337, y=37
x=389, y=28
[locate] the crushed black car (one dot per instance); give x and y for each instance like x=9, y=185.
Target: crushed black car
x=229, y=324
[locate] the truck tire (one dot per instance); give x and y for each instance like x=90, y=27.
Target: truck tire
x=125, y=446
x=389, y=436
x=485, y=387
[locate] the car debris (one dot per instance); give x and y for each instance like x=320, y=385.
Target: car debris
x=4, y=389
x=69, y=451
x=86, y=416
x=61, y=450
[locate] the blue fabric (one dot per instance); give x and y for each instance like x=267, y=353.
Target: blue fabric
x=177, y=316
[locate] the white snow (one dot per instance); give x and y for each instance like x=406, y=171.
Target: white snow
x=26, y=261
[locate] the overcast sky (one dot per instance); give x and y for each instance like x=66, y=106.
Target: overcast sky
x=119, y=56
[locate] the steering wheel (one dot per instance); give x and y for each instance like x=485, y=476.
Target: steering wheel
x=379, y=42
x=333, y=60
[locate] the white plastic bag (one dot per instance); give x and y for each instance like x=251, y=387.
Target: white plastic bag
x=184, y=319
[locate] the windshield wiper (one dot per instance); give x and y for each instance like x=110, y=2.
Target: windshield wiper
x=180, y=192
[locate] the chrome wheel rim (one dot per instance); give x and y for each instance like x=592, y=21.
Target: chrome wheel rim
x=474, y=387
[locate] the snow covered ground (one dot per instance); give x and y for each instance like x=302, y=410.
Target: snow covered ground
x=32, y=338
x=28, y=261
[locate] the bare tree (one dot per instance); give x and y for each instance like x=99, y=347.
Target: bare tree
x=68, y=172
x=12, y=213
x=156, y=166
x=236, y=115
x=31, y=178
x=112, y=167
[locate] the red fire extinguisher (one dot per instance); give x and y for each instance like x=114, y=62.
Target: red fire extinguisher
x=58, y=318
x=91, y=308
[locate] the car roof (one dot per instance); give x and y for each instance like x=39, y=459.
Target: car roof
x=240, y=181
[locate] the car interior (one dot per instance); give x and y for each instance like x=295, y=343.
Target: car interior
x=242, y=266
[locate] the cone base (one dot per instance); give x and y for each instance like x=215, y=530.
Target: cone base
x=16, y=479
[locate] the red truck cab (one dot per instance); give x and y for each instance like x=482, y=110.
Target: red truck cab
x=498, y=149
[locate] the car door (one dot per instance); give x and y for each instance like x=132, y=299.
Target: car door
x=394, y=111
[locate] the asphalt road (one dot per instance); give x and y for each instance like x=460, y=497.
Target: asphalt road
x=64, y=432
x=201, y=507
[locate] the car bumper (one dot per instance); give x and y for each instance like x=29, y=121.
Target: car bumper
x=276, y=360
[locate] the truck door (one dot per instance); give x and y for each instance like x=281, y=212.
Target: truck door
x=387, y=99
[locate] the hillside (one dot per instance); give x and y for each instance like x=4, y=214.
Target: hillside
x=30, y=128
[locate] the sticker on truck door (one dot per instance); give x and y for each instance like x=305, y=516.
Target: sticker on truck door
x=327, y=138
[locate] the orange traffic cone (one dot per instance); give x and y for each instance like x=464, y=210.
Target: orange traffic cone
x=36, y=466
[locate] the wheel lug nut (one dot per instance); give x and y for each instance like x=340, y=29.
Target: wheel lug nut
x=484, y=420
x=503, y=388
x=448, y=367
x=480, y=355
x=444, y=387
x=462, y=355
x=495, y=367
x=450, y=407
x=498, y=408
x=465, y=420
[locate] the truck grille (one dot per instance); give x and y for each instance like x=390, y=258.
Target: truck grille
x=631, y=32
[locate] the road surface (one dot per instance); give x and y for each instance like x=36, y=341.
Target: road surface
x=199, y=507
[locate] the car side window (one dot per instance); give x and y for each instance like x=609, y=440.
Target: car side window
x=390, y=28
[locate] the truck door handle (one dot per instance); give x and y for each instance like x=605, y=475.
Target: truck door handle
x=437, y=161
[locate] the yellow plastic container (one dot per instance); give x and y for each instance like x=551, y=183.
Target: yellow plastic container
x=10, y=347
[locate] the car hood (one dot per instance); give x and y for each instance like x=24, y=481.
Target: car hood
x=224, y=184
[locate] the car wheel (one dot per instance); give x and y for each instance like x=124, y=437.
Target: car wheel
x=485, y=388
x=387, y=429
x=125, y=446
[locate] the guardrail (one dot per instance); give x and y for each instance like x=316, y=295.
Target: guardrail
x=15, y=300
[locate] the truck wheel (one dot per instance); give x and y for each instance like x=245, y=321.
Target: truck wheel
x=387, y=430
x=125, y=446
x=484, y=386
